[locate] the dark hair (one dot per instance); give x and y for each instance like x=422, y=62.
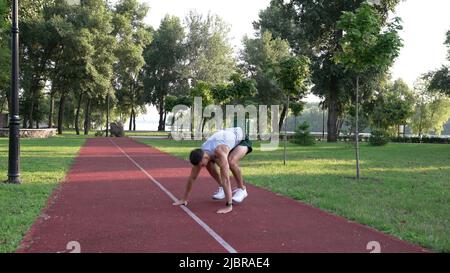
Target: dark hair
x=196, y=156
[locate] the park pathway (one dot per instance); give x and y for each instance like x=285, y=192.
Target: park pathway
x=118, y=198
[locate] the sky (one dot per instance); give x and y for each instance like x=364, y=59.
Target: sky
x=425, y=24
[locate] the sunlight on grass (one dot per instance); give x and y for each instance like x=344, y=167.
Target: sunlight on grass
x=44, y=163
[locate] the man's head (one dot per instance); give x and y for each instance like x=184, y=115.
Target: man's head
x=198, y=158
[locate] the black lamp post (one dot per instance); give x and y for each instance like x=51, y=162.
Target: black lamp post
x=14, y=120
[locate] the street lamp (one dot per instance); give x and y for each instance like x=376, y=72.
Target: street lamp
x=14, y=120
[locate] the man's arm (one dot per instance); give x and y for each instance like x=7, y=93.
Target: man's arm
x=211, y=167
x=222, y=160
x=195, y=171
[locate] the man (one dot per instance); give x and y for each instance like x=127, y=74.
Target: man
x=225, y=148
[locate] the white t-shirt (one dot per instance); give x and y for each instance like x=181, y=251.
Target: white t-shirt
x=230, y=137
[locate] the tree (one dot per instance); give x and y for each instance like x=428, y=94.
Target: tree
x=310, y=26
x=262, y=58
x=302, y=135
x=5, y=55
x=392, y=107
x=209, y=55
x=99, y=76
x=163, y=57
x=133, y=37
x=431, y=112
x=291, y=77
x=38, y=44
x=71, y=60
x=440, y=79
x=366, y=46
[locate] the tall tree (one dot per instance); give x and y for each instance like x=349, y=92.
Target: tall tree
x=73, y=51
x=96, y=81
x=431, y=111
x=310, y=26
x=262, y=58
x=163, y=59
x=133, y=36
x=209, y=55
x=365, y=46
x=292, y=77
x=38, y=46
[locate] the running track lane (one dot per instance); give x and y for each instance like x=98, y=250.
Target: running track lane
x=118, y=198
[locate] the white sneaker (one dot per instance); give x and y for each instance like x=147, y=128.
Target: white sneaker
x=239, y=195
x=219, y=195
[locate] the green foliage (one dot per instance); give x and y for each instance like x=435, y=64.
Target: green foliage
x=163, y=57
x=133, y=37
x=5, y=54
x=311, y=29
x=262, y=57
x=440, y=79
x=432, y=111
x=100, y=133
x=292, y=76
x=392, y=106
x=209, y=55
x=379, y=138
x=302, y=135
x=366, y=44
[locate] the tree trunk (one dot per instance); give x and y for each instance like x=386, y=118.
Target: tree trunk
x=50, y=114
x=37, y=119
x=77, y=114
x=286, y=132
x=134, y=120
x=165, y=118
x=161, y=125
x=33, y=90
x=282, y=116
x=30, y=113
x=332, y=122
x=87, y=117
x=357, y=129
x=62, y=102
x=130, y=127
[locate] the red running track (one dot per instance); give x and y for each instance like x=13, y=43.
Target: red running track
x=116, y=198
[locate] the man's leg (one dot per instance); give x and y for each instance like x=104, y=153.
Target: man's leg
x=233, y=159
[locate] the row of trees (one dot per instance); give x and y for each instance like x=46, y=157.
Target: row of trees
x=77, y=58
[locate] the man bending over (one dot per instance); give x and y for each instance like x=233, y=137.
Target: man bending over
x=223, y=149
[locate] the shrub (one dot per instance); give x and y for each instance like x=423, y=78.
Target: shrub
x=302, y=135
x=379, y=138
x=99, y=133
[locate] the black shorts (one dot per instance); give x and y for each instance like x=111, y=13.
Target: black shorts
x=246, y=143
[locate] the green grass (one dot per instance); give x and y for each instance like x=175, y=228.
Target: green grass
x=405, y=190
x=44, y=163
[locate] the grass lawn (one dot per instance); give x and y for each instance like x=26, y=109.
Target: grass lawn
x=44, y=163
x=405, y=189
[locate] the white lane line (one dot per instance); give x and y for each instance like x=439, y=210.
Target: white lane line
x=199, y=221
